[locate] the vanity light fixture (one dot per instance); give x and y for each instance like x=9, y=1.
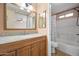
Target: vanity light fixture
x=21, y=8
x=28, y=10
x=26, y=6
x=30, y=7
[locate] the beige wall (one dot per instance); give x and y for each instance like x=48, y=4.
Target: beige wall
x=47, y=31
x=41, y=7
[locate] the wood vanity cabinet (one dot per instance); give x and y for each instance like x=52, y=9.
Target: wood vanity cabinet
x=32, y=47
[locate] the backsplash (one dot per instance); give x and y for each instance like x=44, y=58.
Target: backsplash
x=16, y=33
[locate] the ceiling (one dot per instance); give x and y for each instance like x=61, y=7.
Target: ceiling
x=59, y=7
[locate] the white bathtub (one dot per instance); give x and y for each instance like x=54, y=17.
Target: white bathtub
x=69, y=49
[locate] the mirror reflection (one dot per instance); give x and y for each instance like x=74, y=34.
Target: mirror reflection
x=20, y=16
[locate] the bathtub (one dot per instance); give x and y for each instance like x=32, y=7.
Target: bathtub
x=69, y=49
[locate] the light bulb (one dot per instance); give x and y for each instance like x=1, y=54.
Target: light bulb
x=30, y=7
x=21, y=8
x=28, y=10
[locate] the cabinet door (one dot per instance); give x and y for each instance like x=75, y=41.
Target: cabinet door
x=43, y=48
x=35, y=51
x=25, y=51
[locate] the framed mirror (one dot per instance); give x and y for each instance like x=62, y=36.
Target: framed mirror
x=42, y=20
x=17, y=18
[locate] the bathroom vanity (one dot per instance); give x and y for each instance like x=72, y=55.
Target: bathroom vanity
x=36, y=46
x=17, y=21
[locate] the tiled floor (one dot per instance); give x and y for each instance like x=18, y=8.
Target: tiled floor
x=59, y=53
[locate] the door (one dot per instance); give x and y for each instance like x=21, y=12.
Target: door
x=25, y=51
x=35, y=51
x=43, y=48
